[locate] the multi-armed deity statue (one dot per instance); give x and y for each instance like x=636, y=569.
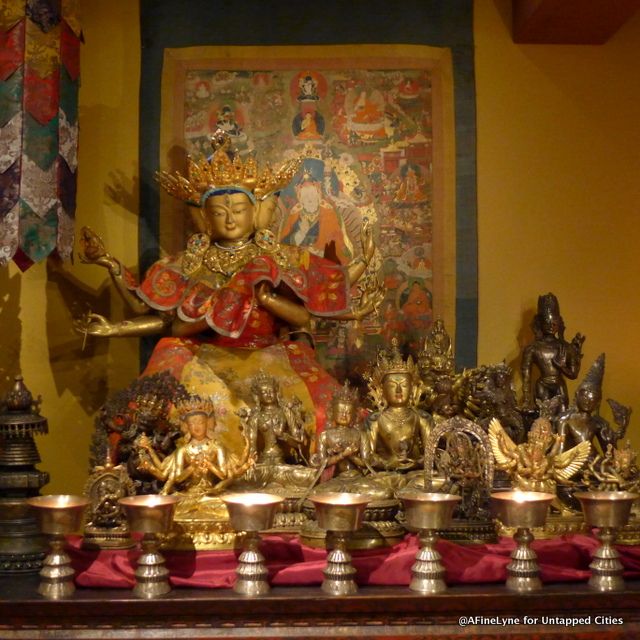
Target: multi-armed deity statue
x=235, y=287
x=201, y=466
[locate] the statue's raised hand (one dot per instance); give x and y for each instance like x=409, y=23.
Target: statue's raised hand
x=94, y=252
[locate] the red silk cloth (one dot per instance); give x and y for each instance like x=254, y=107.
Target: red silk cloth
x=290, y=563
x=322, y=286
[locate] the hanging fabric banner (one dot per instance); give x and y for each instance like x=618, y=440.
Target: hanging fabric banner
x=39, y=79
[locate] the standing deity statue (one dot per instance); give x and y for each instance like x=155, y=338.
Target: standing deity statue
x=398, y=430
x=615, y=470
x=551, y=354
x=582, y=422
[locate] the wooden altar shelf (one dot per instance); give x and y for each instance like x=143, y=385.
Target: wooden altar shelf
x=305, y=612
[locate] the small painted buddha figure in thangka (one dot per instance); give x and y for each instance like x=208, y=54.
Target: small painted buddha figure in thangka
x=236, y=300
x=554, y=357
x=398, y=430
x=201, y=465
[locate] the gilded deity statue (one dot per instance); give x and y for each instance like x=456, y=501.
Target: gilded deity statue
x=582, y=422
x=615, y=470
x=236, y=300
x=538, y=464
x=274, y=424
x=554, y=357
x=398, y=430
x=278, y=440
x=201, y=466
x=342, y=446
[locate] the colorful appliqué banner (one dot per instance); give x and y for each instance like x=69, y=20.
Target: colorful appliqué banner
x=39, y=79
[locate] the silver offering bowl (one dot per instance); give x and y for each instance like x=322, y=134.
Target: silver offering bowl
x=607, y=510
x=339, y=514
x=151, y=515
x=251, y=513
x=426, y=513
x=522, y=510
x=59, y=516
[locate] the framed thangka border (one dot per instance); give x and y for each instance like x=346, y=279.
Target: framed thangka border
x=375, y=125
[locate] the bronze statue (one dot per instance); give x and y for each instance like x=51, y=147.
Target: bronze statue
x=538, y=464
x=200, y=466
x=490, y=394
x=582, y=421
x=551, y=354
x=398, y=430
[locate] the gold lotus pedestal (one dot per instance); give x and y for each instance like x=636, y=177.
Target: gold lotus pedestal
x=426, y=513
x=59, y=516
x=522, y=510
x=339, y=514
x=608, y=510
x=151, y=515
x=251, y=513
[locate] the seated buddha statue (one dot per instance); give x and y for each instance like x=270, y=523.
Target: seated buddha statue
x=201, y=466
x=235, y=300
x=398, y=430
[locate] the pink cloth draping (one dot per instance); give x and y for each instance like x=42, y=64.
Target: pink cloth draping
x=290, y=563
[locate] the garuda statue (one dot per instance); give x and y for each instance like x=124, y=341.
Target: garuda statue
x=235, y=299
x=538, y=464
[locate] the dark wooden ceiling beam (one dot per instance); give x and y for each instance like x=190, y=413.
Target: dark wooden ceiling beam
x=569, y=21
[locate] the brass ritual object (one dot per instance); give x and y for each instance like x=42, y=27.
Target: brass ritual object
x=151, y=515
x=427, y=513
x=59, y=516
x=339, y=514
x=523, y=510
x=251, y=513
x=22, y=546
x=607, y=510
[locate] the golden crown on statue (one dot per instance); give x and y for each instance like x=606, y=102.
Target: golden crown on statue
x=226, y=171
x=194, y=404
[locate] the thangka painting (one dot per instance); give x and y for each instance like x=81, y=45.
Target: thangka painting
x=375, y=129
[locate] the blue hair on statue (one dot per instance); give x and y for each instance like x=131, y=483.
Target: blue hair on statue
x=215, y=191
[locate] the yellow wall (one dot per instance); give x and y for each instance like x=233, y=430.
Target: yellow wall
x=558, y=193
x=558, y=188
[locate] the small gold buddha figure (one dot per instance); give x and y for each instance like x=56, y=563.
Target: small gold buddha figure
x=538, y=464
x=398, y=430
x=342, y=445
x=201, y=466
x=275, y=427
x=554, y=357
